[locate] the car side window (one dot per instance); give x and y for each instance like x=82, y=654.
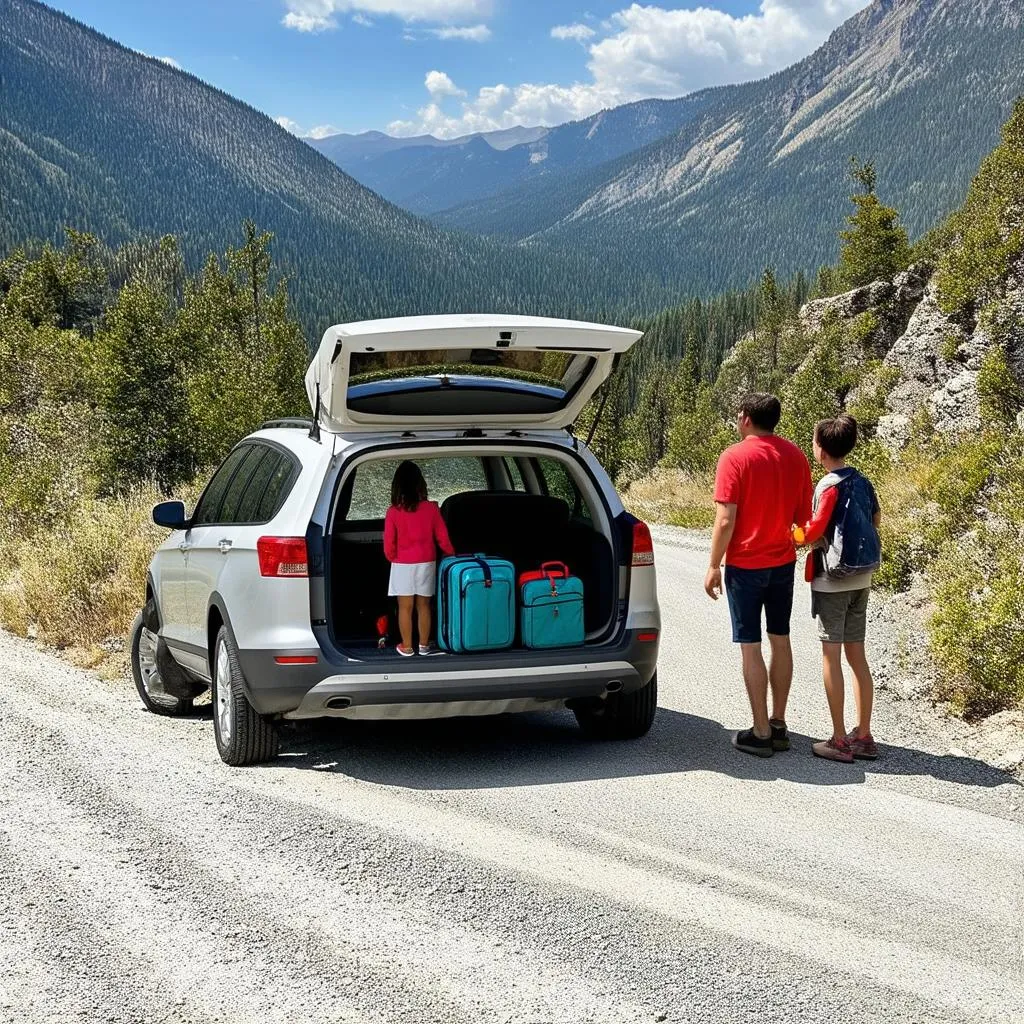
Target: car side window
x=248, y=506
x=208, y=509
x=277, y=489
x=559, y=484
x=236, y=486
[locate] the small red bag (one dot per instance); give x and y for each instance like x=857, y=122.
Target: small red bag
x=547, y=571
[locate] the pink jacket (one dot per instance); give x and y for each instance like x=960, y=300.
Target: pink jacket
x=411, y=537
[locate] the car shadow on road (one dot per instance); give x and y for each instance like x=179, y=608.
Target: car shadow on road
x=540, y=749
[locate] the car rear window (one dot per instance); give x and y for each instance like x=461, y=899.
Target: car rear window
x=371, y=488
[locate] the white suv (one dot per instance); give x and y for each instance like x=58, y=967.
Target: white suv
x=274, y=591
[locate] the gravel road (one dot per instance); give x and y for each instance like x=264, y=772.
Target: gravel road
x=505, y=869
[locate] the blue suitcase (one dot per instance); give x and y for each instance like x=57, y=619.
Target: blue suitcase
x=551, y=613
x=476, y=598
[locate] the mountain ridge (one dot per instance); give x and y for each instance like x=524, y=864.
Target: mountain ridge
x=99, y=137
x=918, y=86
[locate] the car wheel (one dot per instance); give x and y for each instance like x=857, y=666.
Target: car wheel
x=146, y=666
x=243, y=736
x=621, y=716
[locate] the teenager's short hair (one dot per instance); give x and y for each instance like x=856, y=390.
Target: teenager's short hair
x=837, y=437
x=764, y=411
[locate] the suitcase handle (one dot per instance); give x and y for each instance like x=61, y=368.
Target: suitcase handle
x=481, y=560
x=563, y=569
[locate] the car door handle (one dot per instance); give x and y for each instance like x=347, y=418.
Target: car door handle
x=224, y=545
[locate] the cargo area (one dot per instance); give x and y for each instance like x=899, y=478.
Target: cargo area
x=526, y=508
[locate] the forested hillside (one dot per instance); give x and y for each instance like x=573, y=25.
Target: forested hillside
x=918, y=86
x=100, y=138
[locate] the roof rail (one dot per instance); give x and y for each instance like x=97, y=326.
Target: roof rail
x=296, y=422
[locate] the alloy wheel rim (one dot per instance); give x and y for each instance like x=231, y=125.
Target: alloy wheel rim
x=225, y=709
x=149, y=671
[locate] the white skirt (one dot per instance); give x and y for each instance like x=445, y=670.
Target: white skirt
x=412, y=578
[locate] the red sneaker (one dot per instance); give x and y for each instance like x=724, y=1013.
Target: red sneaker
x=863, y=747
x=836, y=749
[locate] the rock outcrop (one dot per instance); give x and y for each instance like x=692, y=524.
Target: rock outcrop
x=891, y=303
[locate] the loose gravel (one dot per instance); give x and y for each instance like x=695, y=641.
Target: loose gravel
x=502, y=869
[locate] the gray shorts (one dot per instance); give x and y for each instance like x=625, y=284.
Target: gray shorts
x=843, y=617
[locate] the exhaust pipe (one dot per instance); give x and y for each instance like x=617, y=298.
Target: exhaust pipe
x=614, y=686
x=339, y=703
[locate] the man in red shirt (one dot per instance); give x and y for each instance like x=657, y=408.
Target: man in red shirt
x=762, y=488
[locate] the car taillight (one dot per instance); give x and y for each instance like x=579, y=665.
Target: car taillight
x=282, y=556
x=643, y=546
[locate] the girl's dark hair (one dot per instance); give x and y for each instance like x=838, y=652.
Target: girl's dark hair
x=408, y=488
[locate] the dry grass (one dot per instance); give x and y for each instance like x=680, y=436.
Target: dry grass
x=79, y=586
x=674, y=497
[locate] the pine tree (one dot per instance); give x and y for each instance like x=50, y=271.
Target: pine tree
x=875, y=246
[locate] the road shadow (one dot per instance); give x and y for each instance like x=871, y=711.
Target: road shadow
x=543, y=748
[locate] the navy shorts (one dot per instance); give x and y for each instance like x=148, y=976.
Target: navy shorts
x=751, y=590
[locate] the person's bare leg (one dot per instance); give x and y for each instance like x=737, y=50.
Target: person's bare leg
x=755, y=677
x=780, y=674
x=424, y=622
x=863, y=686
x=405, y=620
x=835, y=686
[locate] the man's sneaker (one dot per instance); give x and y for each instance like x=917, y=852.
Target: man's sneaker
x=780, y=735
x=750, y=743
x=863, y=747
x=835, y=749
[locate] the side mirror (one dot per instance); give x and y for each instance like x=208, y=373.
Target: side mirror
x=170, y=514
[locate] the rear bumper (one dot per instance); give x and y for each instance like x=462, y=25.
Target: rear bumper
x=313, y=691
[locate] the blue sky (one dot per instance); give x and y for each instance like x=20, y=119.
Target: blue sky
x=453, y=66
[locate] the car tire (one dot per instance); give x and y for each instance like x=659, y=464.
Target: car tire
x=243, y=735
x=148, y=668
x=621, y=716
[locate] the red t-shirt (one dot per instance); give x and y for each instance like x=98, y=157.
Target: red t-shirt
x=768, y=479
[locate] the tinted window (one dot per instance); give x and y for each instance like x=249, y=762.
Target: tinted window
x=560, y=484
x=236, y=486
x=371, y=489
x=209, y=504
x=248, y=507
x=277, y=489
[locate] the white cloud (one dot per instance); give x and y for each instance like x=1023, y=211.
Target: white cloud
x=468, y=33
x=439, y=85
x=320, y=15
x=320, y=131
x=362, y=19
x=579, y=32
x=169, y=61
x=648, y=51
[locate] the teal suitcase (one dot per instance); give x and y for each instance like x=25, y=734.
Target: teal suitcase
x=551, y=608
x=476, y=604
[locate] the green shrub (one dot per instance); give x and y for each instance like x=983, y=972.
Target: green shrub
x=977, y=629
x=1000, y=394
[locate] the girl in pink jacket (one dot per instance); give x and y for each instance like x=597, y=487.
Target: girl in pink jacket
x=413, y=531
